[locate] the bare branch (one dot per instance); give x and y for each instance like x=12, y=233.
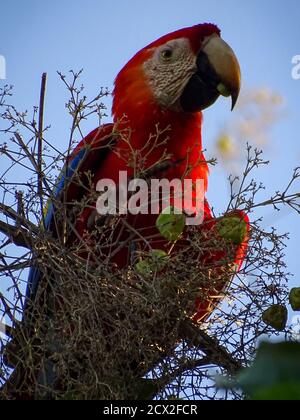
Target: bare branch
x=40, y=142
x=215, y=353
x=106, y=326
x=17, y=235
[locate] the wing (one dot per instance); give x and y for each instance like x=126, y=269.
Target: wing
x=87, y=157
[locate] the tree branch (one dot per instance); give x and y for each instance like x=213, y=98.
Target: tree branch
x=12, y=214
x=17, y=235
x=216, y=354
x=40, y=142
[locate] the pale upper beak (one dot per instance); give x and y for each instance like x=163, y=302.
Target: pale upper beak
x=226, y=65
x=218, y=73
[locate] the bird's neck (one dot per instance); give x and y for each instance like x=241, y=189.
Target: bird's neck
x=160, y=133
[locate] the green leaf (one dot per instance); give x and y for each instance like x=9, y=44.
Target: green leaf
x=295, y=299
x=275, y=373
x=285, y=391
x=276, y=317
x=233, y=229
x=171, y=224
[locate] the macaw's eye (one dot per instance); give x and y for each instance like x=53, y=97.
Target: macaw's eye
x=167, y=54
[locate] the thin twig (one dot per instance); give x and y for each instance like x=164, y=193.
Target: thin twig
x=40, y=144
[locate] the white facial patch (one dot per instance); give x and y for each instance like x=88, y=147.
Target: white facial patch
x=169, y=70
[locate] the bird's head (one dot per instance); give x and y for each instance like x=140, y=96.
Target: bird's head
x=185, y=71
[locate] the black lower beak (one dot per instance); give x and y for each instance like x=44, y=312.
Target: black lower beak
x=201, y=91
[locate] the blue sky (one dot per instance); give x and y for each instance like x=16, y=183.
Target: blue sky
x=100, y=36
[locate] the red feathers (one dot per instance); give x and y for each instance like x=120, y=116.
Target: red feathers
x=140, y=120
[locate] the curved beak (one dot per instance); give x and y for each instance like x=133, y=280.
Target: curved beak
x=218, y=73
x=226, y=65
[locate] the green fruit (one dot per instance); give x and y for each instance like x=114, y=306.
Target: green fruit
x=233, y=229
x=155, y=262
x=170, y=224
x=223, y=90
x=276, y=317
x=295, y=299
x=225, y=145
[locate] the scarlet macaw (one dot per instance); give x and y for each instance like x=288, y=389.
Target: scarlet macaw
x=165, y=86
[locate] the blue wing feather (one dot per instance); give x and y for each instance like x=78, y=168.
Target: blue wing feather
x=66, y=174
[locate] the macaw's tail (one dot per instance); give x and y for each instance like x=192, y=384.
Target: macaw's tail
x=32, y=343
